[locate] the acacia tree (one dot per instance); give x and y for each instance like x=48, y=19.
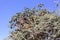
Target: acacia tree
x=35, y=24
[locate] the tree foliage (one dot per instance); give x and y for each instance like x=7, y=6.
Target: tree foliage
x=35, y=24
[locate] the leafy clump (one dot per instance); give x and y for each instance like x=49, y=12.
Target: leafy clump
x=33, y=24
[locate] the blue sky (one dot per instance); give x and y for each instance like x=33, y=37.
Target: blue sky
x=9, y=7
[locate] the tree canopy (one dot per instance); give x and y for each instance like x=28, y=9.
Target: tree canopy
x=35, y=24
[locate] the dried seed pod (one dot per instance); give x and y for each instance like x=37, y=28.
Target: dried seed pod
x=18, y=24
x=42, y=14
x=32, y=18
x=26, y=26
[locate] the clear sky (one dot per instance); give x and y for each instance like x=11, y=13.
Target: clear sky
x=9, y=7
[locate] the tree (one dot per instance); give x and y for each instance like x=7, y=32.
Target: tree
x=33, y=24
